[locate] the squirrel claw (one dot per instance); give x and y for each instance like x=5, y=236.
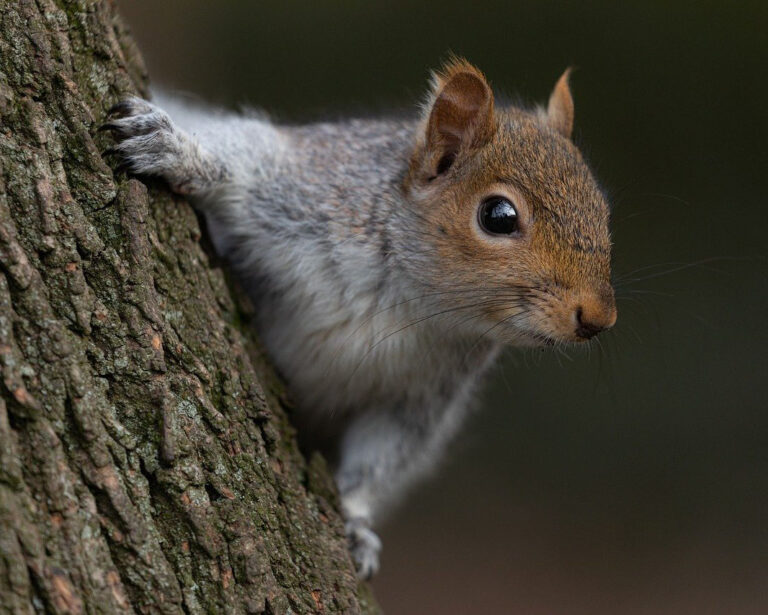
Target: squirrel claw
x=107, y=126
x=121, y=109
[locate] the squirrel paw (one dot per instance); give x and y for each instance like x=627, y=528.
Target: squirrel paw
x=148, y=143
x=365, y=546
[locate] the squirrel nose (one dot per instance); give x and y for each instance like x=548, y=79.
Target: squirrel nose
x=592, y=317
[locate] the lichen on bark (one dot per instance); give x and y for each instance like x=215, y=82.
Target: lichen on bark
x=146, y=461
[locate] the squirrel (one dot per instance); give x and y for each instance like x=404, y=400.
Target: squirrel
x=390, y=260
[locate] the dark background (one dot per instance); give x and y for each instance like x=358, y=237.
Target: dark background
x=630, y=478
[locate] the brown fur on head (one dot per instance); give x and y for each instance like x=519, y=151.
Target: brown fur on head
x=550, y=280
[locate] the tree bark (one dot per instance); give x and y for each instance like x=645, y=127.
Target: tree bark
x=146, y=462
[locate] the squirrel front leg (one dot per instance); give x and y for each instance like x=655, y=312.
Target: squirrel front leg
x=149, y=143
x=381, y=454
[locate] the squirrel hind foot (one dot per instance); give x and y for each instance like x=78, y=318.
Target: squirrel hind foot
x=365, y=546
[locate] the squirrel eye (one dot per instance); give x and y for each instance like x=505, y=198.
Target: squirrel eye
x=498, y=216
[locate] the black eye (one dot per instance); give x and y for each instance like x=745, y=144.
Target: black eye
x=498, y=216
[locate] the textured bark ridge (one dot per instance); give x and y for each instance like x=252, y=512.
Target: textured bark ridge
x=146, y=464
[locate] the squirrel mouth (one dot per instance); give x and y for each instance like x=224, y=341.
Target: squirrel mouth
x=544, y=340
x=534, y=338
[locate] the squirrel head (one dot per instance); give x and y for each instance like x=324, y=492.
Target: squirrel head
x=517, y=227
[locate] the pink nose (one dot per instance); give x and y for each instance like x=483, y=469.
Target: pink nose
x=594, y=316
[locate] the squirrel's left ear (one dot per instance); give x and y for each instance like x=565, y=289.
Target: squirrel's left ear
x=560, y=107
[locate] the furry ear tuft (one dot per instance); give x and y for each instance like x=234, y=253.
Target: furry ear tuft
x=560, y=107
x=460, y=115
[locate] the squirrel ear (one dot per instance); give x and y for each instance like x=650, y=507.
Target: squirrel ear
x=460, y=115
x=560, y=107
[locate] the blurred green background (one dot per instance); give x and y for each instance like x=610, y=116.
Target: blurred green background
x=631, y=478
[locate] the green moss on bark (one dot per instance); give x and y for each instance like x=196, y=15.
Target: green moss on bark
x=146, y=462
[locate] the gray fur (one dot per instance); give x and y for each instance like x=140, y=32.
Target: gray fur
x=316, y=222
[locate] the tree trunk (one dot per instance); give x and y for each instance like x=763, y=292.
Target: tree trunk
x=146, y=462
